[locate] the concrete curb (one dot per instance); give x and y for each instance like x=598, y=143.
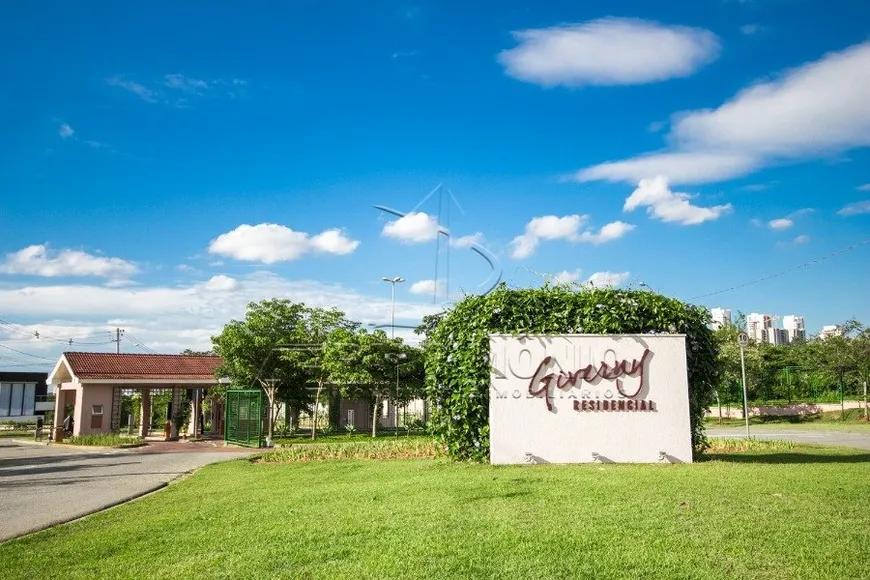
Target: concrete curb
x=116, y=503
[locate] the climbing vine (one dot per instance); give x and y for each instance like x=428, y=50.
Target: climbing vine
x=458, y=361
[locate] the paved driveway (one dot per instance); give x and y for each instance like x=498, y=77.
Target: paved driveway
x=41, y=486
x=855, y=439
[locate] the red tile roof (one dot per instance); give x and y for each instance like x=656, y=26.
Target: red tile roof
x=96, y=365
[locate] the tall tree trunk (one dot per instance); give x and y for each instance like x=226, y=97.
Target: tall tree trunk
x=375, y=418
x=316, y=400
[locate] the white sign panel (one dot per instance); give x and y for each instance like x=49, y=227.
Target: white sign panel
x=583, y=398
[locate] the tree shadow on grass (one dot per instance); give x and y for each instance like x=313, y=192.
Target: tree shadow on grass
x=788, y=458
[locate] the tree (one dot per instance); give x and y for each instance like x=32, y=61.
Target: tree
x=320, y=328
x=248, y=349
x=191, y=352
x=357, y=361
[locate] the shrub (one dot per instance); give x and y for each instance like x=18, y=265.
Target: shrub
x=457, y=349
x=103, y=440
x=416, y=448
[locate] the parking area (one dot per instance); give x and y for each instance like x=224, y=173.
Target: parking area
x=43, y=485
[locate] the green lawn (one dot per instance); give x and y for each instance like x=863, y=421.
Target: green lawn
x=783, y=512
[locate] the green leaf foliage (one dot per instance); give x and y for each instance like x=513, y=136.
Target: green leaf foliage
x=458, y=359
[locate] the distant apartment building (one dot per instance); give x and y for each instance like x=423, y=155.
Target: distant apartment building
x=794, y=327
x=721, y=317
x=758, y=327
x=778, y=336
x=830, y=330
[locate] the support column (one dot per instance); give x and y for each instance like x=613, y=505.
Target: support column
x=176, y=408
x=145, y=415
x=59, y=406
x=194, y=424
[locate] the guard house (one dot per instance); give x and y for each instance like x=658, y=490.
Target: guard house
x=93, y=385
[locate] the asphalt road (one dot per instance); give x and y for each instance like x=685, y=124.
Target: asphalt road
x=855, y=439
x=41, y=486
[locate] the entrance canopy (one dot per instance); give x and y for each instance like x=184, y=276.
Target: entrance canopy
x=92, y=382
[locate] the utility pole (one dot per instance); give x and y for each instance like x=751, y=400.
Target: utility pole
x=119, y=332
x=743, y=341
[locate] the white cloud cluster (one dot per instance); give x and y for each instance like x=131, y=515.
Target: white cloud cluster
x=427, y=287
x=856, y=208
x=608, y=51
x=467, y=241
x=669, y=206
x=36, y=260
x=608, y=279
x=567, y=228
x=172, y=85
x=65, y=131
x=171, y=318
x=272, y=243
x=814, y=110
x=780, y=224
x=413, y=228
x=566, y=277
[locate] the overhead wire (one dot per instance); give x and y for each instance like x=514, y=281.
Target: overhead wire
x=782, y=272
x=139, y=343
x=25, y=353
x=22, y=330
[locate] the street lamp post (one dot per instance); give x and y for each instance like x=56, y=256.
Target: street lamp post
x=396, y=357
x=393, y=282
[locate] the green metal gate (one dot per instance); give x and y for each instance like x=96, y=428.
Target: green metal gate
x=244, y=417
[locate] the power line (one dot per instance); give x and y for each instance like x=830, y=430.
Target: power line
x=22, y=330
x=139, y=343
x=25, y=353
x=777, y=274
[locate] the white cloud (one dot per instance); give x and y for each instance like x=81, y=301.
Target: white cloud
x=802, y=239
x=566, y=277
x=333, y=241
x=865, y=187
x=567, y=228
x=137, y=89
x=36, y=261
x=608, y=279
x=607, y=233
x=523, y=246
x=427, y=287
x=272, y=243
x=467, y=241
x=815, y=110
x=415, y=227
x=608, y=51
x=221, y=283
x=177, y=81
x=688, y=167
x=171, y=318
x=65, y=131
x=780, y=224
x=176, y=89
x=756, y=222
x=670, y=206
x=857, y=208
x=749, y=29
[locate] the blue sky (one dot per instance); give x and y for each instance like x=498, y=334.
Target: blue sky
x=164, y=164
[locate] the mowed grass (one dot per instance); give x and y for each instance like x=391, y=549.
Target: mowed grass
x=773, y=511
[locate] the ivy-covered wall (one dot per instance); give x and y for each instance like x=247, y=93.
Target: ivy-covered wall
x=457, y=349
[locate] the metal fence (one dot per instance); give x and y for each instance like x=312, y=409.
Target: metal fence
x=244, y=417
